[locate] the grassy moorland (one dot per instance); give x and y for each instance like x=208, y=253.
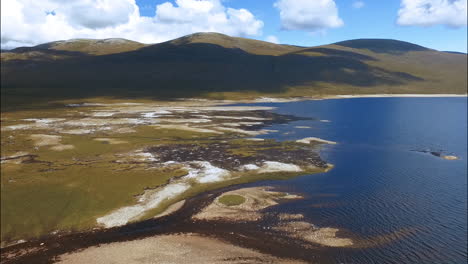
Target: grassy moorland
x=107, y=164
x=217, y=66
x=124, y=157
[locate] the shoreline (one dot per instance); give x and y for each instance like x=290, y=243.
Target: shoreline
x=345, y=96
x=244, y=239
x=341, y=96
x=189, y=102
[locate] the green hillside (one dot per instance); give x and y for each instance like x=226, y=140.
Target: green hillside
x=218, y=66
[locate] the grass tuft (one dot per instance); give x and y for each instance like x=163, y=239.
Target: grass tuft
x=231, y=200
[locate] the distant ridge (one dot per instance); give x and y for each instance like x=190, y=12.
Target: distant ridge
x=382, y=45
x=86, y=46
x=213, y=65
x=248, y=45
x=455, y=52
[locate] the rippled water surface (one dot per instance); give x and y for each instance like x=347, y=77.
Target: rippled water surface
x=405, y=206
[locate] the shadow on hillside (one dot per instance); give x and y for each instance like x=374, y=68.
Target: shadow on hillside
x=389, y=46
x=45, y=51
x=339, y=53
x=168, y=71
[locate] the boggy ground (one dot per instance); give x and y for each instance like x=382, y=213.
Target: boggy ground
x=196, y=232
x=191, y=233
x=107, y=164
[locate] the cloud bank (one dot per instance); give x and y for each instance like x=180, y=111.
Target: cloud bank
x=272, y=39
x=308, y=15
x=31, y=22
x=452, y=13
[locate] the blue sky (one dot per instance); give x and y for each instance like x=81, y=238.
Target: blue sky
x=376, y=19
x=437, y=24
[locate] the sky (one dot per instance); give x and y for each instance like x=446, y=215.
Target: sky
x=437, y=24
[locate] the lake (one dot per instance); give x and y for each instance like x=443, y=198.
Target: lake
x=386, y=188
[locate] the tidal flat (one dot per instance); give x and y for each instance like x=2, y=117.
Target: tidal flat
x=95, y=165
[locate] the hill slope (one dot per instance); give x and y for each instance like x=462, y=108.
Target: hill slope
x=65, y=49
x=216, y=65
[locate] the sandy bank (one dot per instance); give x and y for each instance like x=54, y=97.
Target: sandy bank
x=309, y=140
x=187, y=248
x=326, y=236
x=256, y=199
x=449, y=157
x=340, y=96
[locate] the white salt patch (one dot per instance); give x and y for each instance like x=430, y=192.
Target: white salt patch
x=251, y=123
x=155, y=113
x=77, y=131
x=190, y=120
x=116, y=121
x=42, y=123
x=302, y=127
x=149, y=115
x=45, y=120
x=274, y=166
x=308, y=140
x=240, y=117
x=233, y=108
x=246, y=132
x=146, y=156
x=204, y=172
x=255, y=139
x=242, y=124
x=18, y=127
x=275, y=100
x=150, y=201
x=249, y=167
x=103, y=114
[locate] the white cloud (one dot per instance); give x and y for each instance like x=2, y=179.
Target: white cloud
x=272, y=39
x=31, y=22
x=452, y=13
x=308, y=15
x=358, y=4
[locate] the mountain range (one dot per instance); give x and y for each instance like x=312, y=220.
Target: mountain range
x=213, y=65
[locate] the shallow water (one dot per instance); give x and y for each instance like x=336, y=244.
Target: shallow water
x=404, y=206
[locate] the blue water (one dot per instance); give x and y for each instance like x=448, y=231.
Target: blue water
x=403, y=205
